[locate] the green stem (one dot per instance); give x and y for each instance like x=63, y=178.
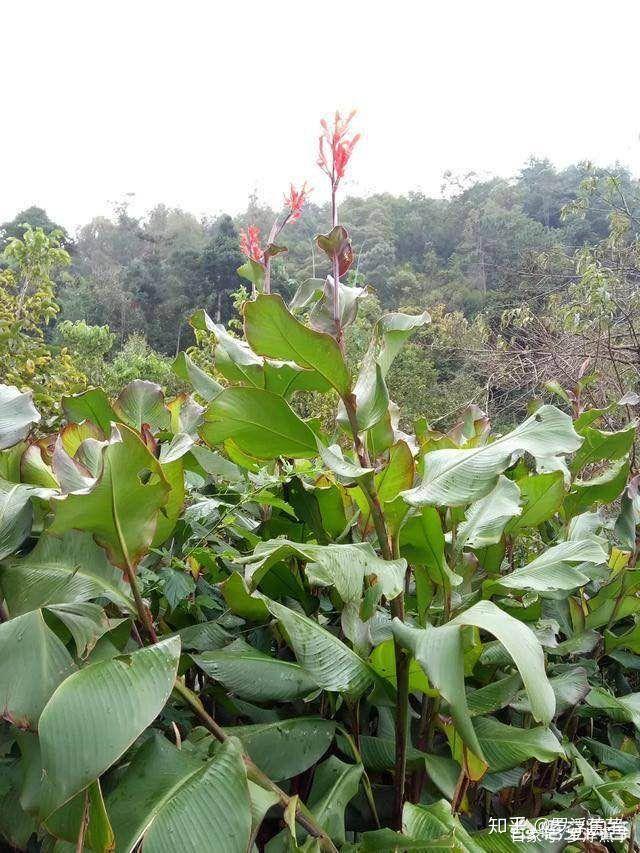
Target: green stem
x=397, y=610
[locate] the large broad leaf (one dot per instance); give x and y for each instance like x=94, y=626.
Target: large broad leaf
x=274, y=332
x=16, y=514
x=555, y=569
x=541, y=496
x=457, y=477
x=171, y=511
x=186, y=369
x=262, y=424
x=97, y=713
x=86, y=623
x=341, y=566
x=486, y=519
x=508, y=746
x=285, y=748
x=33, y=662
x=142, y=402
x=436, y=821
x=58, y=571
x=92, y=405
x=121, y=509
x=603, y=489
x=335, y=783
x=440, y=652
x=169, y=799
x=252, y=675
x=332, y=664
x=422, y=543
x=370, y=391
x=17, y=415
x=599, y=445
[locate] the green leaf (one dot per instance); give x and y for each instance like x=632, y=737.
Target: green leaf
x=335, y=783
x=260, y=423
x=541, y=496
x=171, y=511
x=16, y=514
x=65, y=823
x=422, y=543
x=86, y=622
x=436, y=821
x=599, y=445
x=274, y=332
x=555, y=568
x=142, y=402
x=370, y=391
x=252, y=675
x=167, y=797
x=441, y=655
x=17, y=415
x=332, y=664
x=92, y=405
x=508, y=746
x=97, y=713
x=341, y=566
x=286, y=748
x=487, y=518
x=346, y=472
x=33, y=662
x=121, y=510
x=458, y=477
x=241, y=602
x=58, y=571
x=187, y=370
x=604, y=488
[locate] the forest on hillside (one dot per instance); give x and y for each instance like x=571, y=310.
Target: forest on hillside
x=495, y=261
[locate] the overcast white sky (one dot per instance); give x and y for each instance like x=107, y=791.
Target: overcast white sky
x=196, y=103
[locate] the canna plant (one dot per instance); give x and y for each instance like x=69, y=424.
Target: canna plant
x=225, y=629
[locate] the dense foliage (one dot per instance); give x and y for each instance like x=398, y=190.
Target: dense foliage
x=278, y=611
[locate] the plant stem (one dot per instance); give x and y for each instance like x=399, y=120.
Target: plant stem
x=397, y=610
x=143, y=610
x=84, y=823
x=306, y=821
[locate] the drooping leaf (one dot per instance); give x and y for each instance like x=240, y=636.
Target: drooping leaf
x=97, y=713
x=487, y=518
x=457, y=477
x=259, y=422
x=422, y=543
x=555, y=569
x=331, y=663
x=58, y=571
x=186, y=369
x=16, y=513
x=33, y=662
x=440, y=653
x=17, y=415
x=121, y=510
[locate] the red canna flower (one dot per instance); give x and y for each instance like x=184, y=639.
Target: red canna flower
x=334, y=143
x=250, y=243
x=295, y=201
